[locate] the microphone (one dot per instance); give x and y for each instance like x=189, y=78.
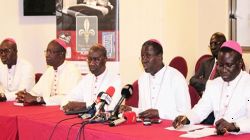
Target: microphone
x=117, y=122
x=126, y=92
x=105, y=99
x=90, y=108
x=128, y=117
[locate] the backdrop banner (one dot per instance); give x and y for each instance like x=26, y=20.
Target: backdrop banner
x=82, y=23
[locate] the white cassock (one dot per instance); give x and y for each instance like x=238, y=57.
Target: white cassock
x=166, y=91
x=90, y=86
x=228, y=100
x=55, y=84
x=19, y=77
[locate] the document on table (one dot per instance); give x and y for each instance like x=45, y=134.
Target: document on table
x=200, y=133
x=188, y=128
x=195, y=131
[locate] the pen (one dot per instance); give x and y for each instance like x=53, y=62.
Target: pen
x=195, y=129
x=225, y=130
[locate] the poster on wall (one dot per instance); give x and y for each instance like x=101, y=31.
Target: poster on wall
x=83, y=23
x=240, y=22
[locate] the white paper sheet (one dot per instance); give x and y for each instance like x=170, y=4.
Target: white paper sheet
x=200, y=133
x=188, y=128
x=18, y=104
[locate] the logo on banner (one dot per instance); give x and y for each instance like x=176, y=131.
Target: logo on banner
x=86, y=33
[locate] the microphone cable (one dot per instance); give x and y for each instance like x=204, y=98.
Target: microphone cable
x=58, y=124
x=90, y=121
x=78, y=136
x=71, y=128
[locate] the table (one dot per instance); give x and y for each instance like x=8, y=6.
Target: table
x=37, y=122
x=9, y=117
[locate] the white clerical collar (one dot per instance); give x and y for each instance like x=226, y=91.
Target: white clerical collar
x=12, y=67
x=235, y=80
x=160, y=73
x=61, y=67
x=101, y=75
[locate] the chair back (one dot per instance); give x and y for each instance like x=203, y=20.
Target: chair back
x=200, y=60
x=38, y=76
x=180, y=64
x=194, y=95
x=133, y=100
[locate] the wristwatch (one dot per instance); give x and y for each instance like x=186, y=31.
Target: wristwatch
x=38, y=99
x=237, y=128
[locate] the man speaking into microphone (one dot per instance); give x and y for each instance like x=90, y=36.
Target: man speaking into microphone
x=163, y=91
x=99, y=80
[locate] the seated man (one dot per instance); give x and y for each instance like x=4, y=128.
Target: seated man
x=15, y=73
x=163, y=91
x=100, y=79
x=208, y=67
x=59, y=78
x=228, y=95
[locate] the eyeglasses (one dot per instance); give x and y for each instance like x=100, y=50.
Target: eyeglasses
x=51, y=52
x=214, y=44
x=5, y=51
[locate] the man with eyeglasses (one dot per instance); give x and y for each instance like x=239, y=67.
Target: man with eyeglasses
x=163, y=91
x=56, y=82
x=15, y=73
x=99, y=80
x=208, y=67
x=228, y=96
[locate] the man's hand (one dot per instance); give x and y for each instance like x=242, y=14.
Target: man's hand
x=71, y=106
x=2, y=97
x=19, y=96
x=150, y=113
x=124, y=108
x=222, y=126
x=25, y=97
x=180, y=121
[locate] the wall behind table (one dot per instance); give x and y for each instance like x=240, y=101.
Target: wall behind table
x=184, y=28
x=173, y=23
x=32, y=33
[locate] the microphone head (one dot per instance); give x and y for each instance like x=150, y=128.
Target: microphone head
x=106, y=98
x=100, y=94
x=130, y=117
x=127, y=91
x=110, y=91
